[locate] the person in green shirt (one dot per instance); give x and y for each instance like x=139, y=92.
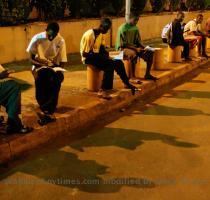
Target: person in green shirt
x=10, y=95
x=129, y=40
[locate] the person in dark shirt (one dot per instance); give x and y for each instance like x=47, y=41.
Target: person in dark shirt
x=177, y=35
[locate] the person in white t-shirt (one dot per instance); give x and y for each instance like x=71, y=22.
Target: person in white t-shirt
x=193, y=31
x=47, y=50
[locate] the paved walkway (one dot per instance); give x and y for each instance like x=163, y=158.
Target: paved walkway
x=156, y=152
x=76, y=104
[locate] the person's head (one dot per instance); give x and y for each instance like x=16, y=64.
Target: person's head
x=133, y=19
x=180, y=16
x=52, y=30
x=105, y=25
x=199, y=18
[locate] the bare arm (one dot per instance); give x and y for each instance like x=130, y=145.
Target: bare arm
x=37, y=61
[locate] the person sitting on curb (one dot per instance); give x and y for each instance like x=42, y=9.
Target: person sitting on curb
x=129, y=40
x=192, y=31
x=47, y=52
x=207, y=27
x=177, y=38
x=93, y=52
x=10, y=98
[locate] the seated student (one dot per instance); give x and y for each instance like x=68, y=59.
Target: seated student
x=129, y=40
x=93, y=52
x=192, y=31
x=177, y=38
x=10, y=98
x=47, y=51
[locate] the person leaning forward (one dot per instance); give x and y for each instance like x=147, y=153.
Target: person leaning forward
x=47, y=52
x=177, y=35
x=193, y=30
x=129, y=40
x=93, y=52
x=10, y=98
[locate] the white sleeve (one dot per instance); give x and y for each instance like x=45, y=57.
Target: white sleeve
x=199, y=27
x=62, y=53
x=32, y=47
x=193, y=27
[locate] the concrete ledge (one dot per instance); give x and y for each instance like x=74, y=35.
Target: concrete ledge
x=75, y=120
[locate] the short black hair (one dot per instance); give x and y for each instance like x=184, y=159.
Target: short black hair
x=53, y=26
x=199, y=15
x=106, y=22
x=179, y=13
x=134, y=15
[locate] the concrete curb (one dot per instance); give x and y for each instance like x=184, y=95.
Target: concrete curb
x=75, y=120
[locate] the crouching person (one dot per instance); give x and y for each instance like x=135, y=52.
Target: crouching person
x=48, y=55
x=93, y=52
x=10, y=98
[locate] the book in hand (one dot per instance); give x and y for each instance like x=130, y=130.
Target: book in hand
x=116, y=55
x=56, y=69
x=9, y=71
x=148, y=48
x=119, y=56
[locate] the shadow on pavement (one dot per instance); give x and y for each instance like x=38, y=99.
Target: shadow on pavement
x=66, y=169
x=127, y=139
x=186, y=94
x=156, y=109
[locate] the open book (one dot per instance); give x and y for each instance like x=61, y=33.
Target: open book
x=116, y=55
x=56, y=69
x=9, y=71
x=149, y=48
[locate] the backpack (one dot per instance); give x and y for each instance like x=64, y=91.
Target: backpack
x=167, y=33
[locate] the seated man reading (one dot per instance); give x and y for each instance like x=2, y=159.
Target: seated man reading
x=10, y=98
x=129, y=40
x=92, y=49
x=192, y=31
x=47, y=52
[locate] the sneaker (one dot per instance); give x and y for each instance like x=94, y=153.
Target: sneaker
x=205, y=55
x=104, y=95
x=132, y=88
x=136, y=81
x=150, y=77
x=45, y=119
x=188, y=59
x=20, y=130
